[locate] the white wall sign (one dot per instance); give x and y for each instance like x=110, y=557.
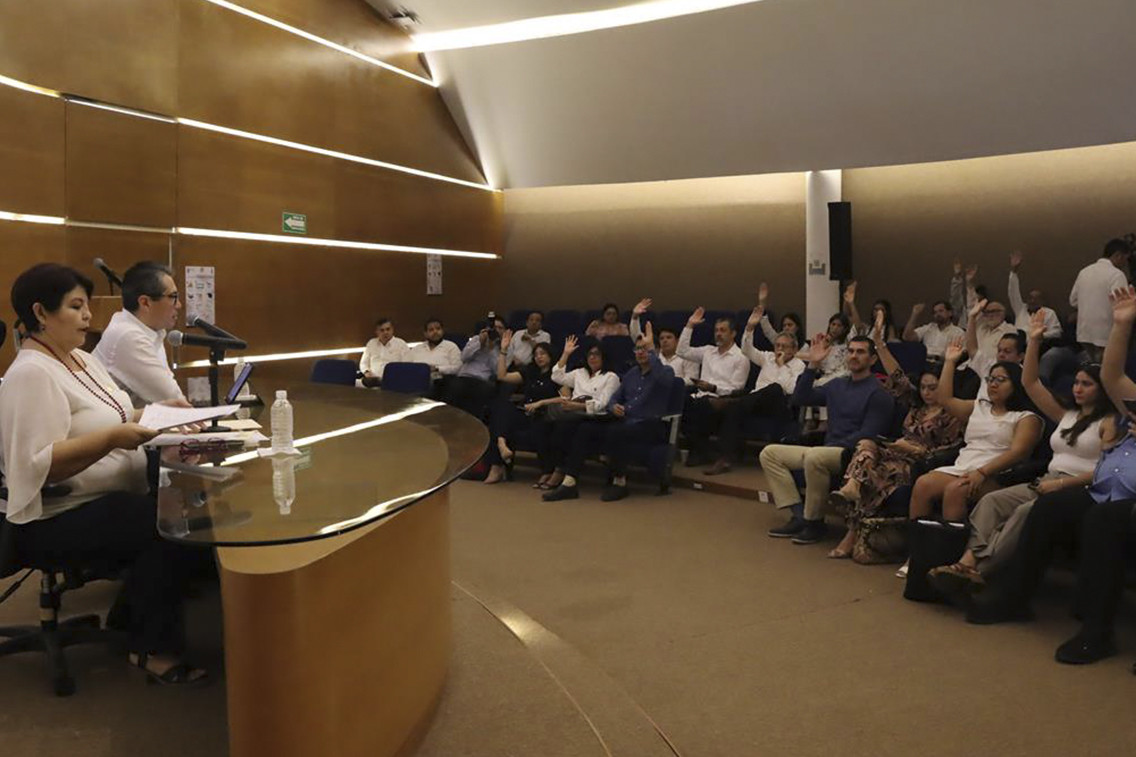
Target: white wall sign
x=199, y=293
x=433, y=274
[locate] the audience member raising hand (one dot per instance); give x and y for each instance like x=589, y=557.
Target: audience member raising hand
x=608, y=325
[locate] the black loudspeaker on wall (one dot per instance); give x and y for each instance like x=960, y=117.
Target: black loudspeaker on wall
x=840, y=241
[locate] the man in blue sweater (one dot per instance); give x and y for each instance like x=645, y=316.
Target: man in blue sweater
x=858, y=408
x=635, y=411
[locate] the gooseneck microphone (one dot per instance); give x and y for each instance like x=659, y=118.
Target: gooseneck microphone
x=211, y=328
x=112, y=278
x=178, y=339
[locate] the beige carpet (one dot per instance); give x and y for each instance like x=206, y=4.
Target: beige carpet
x=675, y=613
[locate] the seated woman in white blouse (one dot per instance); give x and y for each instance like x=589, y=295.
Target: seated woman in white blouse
x=586, y=392
x=64, y=421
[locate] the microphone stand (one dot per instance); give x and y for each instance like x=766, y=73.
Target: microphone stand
x=216, y=355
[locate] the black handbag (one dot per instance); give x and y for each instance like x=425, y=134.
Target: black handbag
x=930, y=544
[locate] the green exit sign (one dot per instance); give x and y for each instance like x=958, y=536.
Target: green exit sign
x=294, y=223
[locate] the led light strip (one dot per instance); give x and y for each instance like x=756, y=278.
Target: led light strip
x=543, y=27
x=245, y=135
x=331, y=153
x=320, y=40
x=248, y=235
x=275, y=357
x=339, y=243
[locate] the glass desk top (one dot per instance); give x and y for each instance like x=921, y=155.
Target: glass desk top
x=364, y=455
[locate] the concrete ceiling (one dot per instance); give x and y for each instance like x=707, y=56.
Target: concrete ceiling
x=786, y=85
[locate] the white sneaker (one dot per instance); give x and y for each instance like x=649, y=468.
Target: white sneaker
x=902, y=572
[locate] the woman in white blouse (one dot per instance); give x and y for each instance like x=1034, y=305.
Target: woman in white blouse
x=65, y=423
x=1001, y=431
x=1076, y=443
x=585, y=393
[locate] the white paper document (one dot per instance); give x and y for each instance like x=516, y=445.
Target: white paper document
x=250, y=438
x=161, y=417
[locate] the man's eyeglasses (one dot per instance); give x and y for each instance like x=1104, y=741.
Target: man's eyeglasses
x=175, y=296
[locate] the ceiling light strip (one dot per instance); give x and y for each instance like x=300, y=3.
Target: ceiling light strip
x=320, y=40
x=339, y=243
x=86, y=102
x=543, y=27
x=120, y=227
x=330, y=153
x=275, y=357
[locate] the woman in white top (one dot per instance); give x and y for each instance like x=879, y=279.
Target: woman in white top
x=997, y=519
x=65, y=424
x=585, y=393
x=1000, y=432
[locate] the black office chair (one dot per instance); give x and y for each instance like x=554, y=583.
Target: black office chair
x=52, y=635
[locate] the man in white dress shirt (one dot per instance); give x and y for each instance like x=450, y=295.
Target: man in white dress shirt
x=132, y=346
x=723, y=375
x=937, y=334
x=384, y=348
x=776, y=382
x=1090, y=296
x=442, y=355
x=520, y=349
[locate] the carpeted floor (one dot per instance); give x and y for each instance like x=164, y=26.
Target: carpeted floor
x=652, y=620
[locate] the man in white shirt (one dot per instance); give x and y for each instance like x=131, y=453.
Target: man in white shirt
x=1023, y=310
x=1090, y=296
x=443, y=356
x=384, y=348
x=132, y=346
x=687, y=370
x=723, y=373
x=984, y=328
x=780, y=370
x=937, y=334
x=520, y=349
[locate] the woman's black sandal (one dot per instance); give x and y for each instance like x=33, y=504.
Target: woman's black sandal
x=181, y=674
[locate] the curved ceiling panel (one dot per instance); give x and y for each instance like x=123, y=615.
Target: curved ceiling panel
x=788, y=85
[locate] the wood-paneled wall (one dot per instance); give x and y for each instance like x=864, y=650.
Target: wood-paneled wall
x=194, y=59
x=1059, y=208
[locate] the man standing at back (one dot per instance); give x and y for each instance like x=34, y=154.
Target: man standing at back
x=1090, y=296
x=132, y=347
x=858, y=408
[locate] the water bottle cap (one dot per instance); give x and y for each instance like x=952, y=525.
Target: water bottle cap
x=281, y=394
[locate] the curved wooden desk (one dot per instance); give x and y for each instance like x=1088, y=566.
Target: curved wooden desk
x=337, y=608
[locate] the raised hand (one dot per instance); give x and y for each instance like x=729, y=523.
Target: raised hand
x=1037, y=325
x=642, y=306
x=978, y=308
x=762, y=294
x=592, y=327
x=1123, y=302
x=697, y=317
x=917, y=309
x=647, y=339
x=755, y=318
x=818, y=350
x=483, y=336
x=878, y=335
x=506, y=338
x=850, y=293
x=1015, y=260
x=971, y=272
x=570, y=345
x=957, y=267
x=954, y=351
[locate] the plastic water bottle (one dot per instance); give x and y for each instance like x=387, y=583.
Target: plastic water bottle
x=284, y=483
x=281, y=422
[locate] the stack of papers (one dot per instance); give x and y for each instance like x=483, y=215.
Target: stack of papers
x=161, y=417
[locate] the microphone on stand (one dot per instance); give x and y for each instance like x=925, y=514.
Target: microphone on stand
x=210, y=328
x=113, y=278
x=179, y=339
